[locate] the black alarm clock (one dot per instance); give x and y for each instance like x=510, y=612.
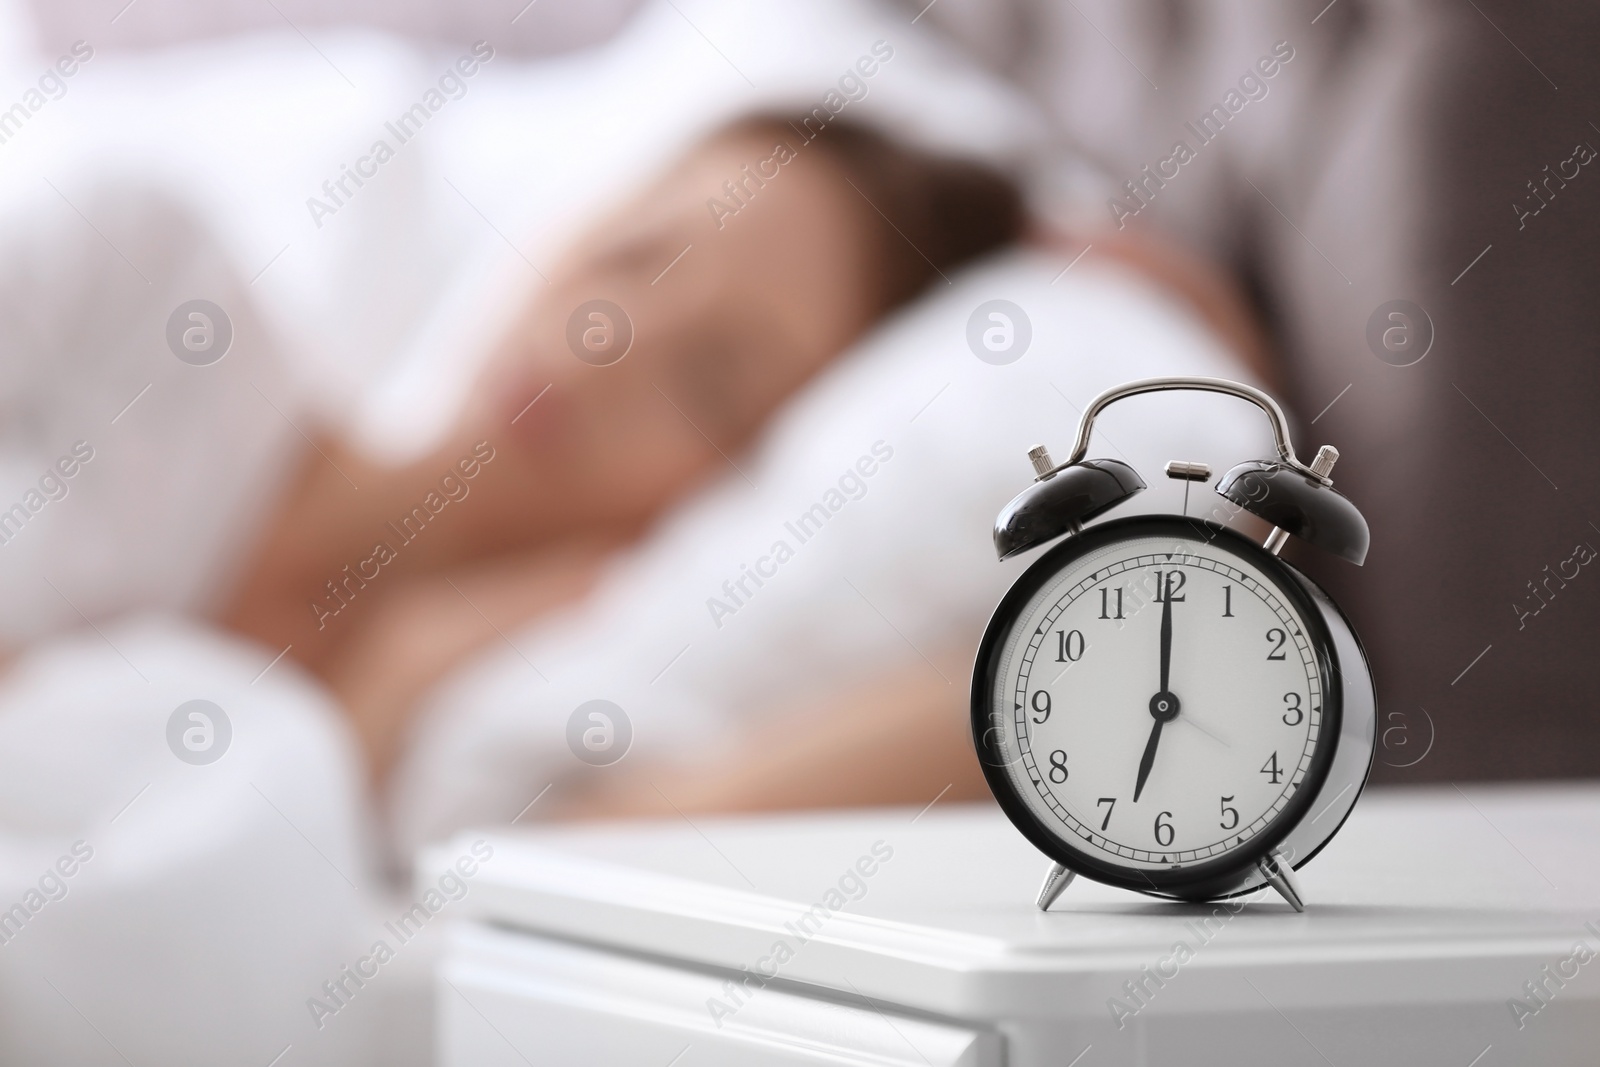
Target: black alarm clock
x=1159, y=702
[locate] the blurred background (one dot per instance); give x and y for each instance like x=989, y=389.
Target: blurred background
x=1413, y=153
x=1381, y=210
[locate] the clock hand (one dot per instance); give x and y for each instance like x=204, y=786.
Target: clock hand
x=1149, y=758
x=1164, y=705
x=1166, y=632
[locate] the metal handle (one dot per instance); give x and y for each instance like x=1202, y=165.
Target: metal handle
x=1280, y=427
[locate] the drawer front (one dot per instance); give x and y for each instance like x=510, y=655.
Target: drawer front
x=507, y=998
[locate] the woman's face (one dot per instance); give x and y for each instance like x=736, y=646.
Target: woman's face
x=731, y=311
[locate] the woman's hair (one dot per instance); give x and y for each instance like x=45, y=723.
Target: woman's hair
x=936, y=211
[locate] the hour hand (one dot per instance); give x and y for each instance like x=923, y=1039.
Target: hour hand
x=1149, y=758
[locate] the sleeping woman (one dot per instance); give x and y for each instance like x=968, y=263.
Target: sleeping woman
x=588, y=515
x=572, y=461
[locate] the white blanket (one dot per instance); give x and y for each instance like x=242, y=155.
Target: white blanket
x=165, y=911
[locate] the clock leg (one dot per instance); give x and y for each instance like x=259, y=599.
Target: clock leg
x=1056, y=881
x=1276, y=870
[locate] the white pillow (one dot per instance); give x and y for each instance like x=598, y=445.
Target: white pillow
x=908, y=566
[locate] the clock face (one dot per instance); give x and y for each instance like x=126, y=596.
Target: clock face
x=1156, y=699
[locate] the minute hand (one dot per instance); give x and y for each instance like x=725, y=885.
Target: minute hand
x=1166, y=633
x=1163, y=706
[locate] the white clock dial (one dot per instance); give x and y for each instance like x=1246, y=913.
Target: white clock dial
x=1142, y=772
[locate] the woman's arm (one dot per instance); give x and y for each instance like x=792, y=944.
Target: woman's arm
x=418, y=630
x=349, y=532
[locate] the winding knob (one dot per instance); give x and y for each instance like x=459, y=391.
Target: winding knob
x=1327, y=456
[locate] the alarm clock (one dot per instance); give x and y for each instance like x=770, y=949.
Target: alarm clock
x=1161, y=703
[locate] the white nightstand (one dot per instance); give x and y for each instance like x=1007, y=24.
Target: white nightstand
x=635, y=944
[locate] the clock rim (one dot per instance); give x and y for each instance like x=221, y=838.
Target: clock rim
x=1212, y=878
